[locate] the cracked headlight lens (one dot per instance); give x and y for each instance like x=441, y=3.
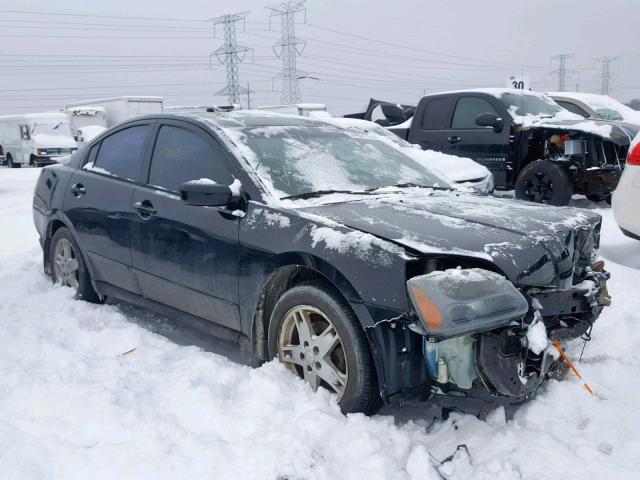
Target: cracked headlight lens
x=458, y=302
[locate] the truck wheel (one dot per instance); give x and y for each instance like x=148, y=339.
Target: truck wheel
x=10, y=163
x=316, y=336
x=544, y=181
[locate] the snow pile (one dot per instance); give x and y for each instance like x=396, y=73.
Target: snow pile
x=73, y=406
x=537, y=335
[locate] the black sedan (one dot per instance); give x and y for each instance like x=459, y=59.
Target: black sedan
x=335, y=251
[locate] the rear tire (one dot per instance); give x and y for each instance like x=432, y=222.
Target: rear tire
x=544, y=181
x=10, y=163
x=314, y=307
x=68, y=267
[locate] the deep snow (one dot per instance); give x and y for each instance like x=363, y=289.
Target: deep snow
x=72, y=406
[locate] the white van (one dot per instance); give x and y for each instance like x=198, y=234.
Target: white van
x=91, y=117
x=35, y=139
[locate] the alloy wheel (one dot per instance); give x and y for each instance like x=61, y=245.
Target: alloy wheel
x=310, y=346
x=65, y=264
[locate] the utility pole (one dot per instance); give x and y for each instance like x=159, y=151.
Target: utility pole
x=605, y=76
x=562, y=71
x=230, y=55
x=288, y=48
x=248, y=96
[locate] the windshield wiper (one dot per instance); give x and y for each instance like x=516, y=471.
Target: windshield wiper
x=319, y=193
x=409, y=185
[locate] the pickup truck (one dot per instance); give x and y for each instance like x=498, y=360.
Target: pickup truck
x=524, y=138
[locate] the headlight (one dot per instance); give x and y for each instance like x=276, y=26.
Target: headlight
x=41, y=151
x=461, y=302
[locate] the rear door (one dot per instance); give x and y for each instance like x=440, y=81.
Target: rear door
x=186, y=256
x=482, y=144
x=98, y=203
x=430, y=123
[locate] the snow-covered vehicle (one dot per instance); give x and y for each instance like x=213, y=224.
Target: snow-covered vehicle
x=626, y=197
x=591, y=105
x=91, y=117
x=35, y=139
x=524, y=138
x=334, y=251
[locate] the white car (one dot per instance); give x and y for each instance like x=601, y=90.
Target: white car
x=591, y=105
x=626, y=197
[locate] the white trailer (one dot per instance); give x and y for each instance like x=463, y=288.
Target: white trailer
x=35, y=139
x=89, y=118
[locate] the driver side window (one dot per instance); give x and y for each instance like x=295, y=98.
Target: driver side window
x=181, y=155
x=466, y=112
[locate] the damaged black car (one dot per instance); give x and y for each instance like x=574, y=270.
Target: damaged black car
x=360, y=270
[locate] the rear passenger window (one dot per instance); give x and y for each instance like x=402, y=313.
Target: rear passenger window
x=121, y=154
x=467, y=110
x=572, y=108
x=436, y=114
x=181, y=155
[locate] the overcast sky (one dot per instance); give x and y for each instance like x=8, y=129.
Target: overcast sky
x=101, y=49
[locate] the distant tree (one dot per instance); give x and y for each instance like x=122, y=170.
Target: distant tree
x=635, y=104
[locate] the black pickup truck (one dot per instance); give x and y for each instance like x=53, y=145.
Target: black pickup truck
x=527, y=141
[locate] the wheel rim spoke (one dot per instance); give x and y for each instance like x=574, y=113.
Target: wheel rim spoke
x=331, y=375
x=293, y=354
x=327, y=341
x=304, y=326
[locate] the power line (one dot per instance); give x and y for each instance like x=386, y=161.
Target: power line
x=421, y=50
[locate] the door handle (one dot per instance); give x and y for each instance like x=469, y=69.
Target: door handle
x=145, y=208
x=78, y=189
x=454, y=139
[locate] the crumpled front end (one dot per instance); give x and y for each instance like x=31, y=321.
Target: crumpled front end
x=488, y=341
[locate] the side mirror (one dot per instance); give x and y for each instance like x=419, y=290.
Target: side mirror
x=490, y=120
x=205, y=193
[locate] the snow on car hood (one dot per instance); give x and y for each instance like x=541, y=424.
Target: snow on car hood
x=45, y=140
x=531, y=243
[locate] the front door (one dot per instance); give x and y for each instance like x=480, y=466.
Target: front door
x=482, y=144
x=98, y=203
x=186, y=256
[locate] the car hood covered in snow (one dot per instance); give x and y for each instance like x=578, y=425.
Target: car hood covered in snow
x=620, y=133
x=531, y=244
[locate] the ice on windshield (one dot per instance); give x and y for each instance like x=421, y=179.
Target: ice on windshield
x=300, y=160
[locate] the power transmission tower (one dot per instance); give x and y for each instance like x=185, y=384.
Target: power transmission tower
x=288, y=48
x=562, y=72
x=230, y=55
x=605, y=76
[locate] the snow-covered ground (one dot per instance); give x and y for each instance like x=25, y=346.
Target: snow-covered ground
x=72, y=406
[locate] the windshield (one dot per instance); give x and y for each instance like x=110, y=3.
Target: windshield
x=60, y=128
x=302, y=160
x=609, y=114
x=525, y=104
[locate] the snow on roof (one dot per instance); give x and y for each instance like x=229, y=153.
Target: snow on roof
x=37, y=116
x=129, y=98
x=598, y=102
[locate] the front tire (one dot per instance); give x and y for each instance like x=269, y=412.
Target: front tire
x=544, y=181
x=68, y=267
x=315, y=335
